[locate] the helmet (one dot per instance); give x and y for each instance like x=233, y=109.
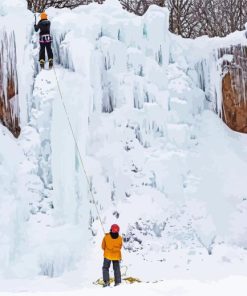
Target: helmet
x=43, y=15
x=115, y=228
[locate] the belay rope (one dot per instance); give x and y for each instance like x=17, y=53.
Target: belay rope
x=78, y=150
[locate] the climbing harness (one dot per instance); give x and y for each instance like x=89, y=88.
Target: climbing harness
x=78, y=150
x=44, y=39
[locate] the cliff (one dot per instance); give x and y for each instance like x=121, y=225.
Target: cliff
x=234, y=87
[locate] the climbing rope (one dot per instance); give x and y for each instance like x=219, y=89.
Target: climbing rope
x=77, y=148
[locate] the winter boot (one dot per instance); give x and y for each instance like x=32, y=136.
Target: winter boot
x=50, y=63
x=106, y=284
x=42, y=64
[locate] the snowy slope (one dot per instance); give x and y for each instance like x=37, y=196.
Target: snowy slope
x=159, y=160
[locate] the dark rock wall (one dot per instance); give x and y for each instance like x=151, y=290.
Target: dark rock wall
x=234, y=87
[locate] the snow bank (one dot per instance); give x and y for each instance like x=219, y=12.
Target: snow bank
x=226, y=287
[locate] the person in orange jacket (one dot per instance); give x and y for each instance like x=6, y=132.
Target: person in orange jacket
x=112, y=244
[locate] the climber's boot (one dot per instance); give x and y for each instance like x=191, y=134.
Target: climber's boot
x=42, y=64
x=50, y=63
x=106, y=284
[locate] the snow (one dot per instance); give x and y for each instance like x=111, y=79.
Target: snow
x=226, y=287
x=159, y=160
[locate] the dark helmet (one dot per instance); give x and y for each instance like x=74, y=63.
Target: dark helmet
x=115, y=228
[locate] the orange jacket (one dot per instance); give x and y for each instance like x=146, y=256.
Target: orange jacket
x=112, y=247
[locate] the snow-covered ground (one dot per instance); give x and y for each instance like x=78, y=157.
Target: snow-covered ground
x=227, y=287
x=159, y=160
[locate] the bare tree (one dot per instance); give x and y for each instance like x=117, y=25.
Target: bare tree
x=139, y=7
x=188, y=18
x=221, y=17
x=181, y=16
x=193, y=18
x=41, y=5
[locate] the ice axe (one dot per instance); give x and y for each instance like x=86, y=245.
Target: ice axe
x=35, y=13
x=35, y=16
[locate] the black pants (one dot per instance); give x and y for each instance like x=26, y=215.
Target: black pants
x=47, y=47
x=116, y=268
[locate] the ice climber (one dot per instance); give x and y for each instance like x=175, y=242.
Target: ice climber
x=45, y=40
x=112, y=244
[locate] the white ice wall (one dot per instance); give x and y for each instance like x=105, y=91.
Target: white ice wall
x=17, y=20
x=137, y=89
x=117, y=62
x=133, y=97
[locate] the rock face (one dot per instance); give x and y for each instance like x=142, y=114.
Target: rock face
x=9, y=105
x=234, y=87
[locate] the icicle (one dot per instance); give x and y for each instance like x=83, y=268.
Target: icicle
x=9, y=103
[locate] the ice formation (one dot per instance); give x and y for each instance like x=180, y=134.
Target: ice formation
x=156, y=154
x=9, y=104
